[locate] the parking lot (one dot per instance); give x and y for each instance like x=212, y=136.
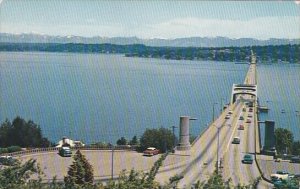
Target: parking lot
x=53, y=164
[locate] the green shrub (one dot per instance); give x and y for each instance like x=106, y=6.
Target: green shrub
x=13, y=149
x=3, y=150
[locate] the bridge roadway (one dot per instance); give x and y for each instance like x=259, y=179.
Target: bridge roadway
x=202, y=158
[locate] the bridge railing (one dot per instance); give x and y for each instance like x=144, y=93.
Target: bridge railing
x=53, y=149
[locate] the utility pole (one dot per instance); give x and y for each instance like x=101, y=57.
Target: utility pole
x=221, y=110
x=218, y=146
x=218, y=151
x=112, y=162
x=213, y=117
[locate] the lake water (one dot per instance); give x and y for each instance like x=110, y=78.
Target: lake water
x=279, y=89
x=99, y=97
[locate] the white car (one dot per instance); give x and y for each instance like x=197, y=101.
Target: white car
x=280, y=175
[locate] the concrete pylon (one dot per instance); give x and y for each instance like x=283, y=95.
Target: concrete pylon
x=269, y=134
x=184, y=134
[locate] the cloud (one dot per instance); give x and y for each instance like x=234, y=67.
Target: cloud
x=297, y=2
x=261, y=28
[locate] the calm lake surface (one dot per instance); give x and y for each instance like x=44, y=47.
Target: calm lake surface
x=99, y=97
x=279, y=89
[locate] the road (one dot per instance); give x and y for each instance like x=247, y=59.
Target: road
x=203, y=154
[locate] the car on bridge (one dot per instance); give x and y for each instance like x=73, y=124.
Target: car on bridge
x=236, y=140
x=151, y=151
x=241, y=127
x=227, y=116
x=248, y=159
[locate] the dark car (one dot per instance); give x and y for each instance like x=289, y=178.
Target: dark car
x=295, y=160
x=65, y=152
x=248, y=158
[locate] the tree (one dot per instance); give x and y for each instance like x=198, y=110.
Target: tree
x=161, y=139
x=4, y=130
x=19, y=174
x=134, y=141
x=216, y=181
x=137, y=180
x=80, y=173
x=296, y=148
x=22, y=133
x=284, y=140
x=122, y=141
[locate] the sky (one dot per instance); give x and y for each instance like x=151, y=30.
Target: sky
x=152, y=18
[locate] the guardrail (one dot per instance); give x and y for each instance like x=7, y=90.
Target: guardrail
x=255, y=154
x=51, y=149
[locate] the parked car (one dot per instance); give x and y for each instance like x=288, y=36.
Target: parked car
x=7, y=160
x=236, y=140
x=151, y=151
x=241, y=118
x=248, y=158
x=278, y=160
x=248, y=121
x=241, y=127
x=65, y=151
x=295, y=159
x=279, y=175
x=249, y=115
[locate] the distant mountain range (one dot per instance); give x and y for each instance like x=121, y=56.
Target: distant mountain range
x=178, y=42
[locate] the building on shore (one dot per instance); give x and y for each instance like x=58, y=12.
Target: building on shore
x=68, y=142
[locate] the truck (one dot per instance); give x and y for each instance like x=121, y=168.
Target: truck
x=65, y=151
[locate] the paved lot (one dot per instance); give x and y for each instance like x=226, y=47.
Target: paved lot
x=269, y=166
x=53, y=164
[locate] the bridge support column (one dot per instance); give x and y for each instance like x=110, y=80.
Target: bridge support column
x=269, y=135
x=184, y=134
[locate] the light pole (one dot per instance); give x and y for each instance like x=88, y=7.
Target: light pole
x=221, y=110
x=112, y=162
x=213, y=115
x=298, y=115
x=218, y=144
